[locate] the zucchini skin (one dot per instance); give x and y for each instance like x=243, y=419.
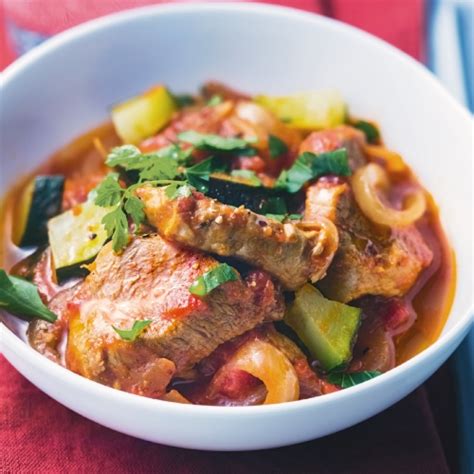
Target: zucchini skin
x=45, y=203
x=255, y=198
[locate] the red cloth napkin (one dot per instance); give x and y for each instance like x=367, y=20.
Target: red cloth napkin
x=37, y=435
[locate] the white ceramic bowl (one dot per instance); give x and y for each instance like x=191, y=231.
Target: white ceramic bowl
x=67, y=85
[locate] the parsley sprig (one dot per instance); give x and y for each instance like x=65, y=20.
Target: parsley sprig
x=309, y=166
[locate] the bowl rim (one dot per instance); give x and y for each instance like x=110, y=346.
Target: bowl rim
x=42, y=363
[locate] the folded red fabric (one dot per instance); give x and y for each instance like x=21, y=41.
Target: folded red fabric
x=38, y=435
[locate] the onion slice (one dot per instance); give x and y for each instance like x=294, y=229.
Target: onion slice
x=264, y=361
x=366, y=183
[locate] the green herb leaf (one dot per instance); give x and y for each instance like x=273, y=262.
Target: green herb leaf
x=21, y=298
x=125, y=156
x=309, y=166
x=160, y=165
x=212, y=279
x=198, y=174
x=370, y=130
x=175, y=152
x=134, y=208
x=109, y=192
x=216, y=99
x=213, y=142
x=116, y=225
x=276, y=146
x=159, y=168
x=282, y=217
x=131, y=334
x=175, y=190
x=346, y=380
x=183, y=100
x=248, y=175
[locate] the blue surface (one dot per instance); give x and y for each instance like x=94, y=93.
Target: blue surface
x=462, y=44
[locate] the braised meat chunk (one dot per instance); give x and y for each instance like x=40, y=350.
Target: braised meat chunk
x=293, y=253
x=371, y=259
x=150, y=281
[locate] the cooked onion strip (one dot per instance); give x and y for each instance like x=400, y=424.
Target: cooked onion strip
x=366, y=183
x=393, y=161
x=264, y=361
x=175, y=396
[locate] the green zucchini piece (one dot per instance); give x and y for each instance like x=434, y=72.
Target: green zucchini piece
x=327, y=328
x=235, y=192
x=41, y=199
x=75, y=237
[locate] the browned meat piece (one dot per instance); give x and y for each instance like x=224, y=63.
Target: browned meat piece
x=150, y=281
x=293, y=253
x=343, y=136
x=371, y=259
x=200, y=119
x=211, y=88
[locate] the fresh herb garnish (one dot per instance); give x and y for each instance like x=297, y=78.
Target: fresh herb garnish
x=131, y=334
x=161, y=167
x=21, y=298
x=174, y=190
x=116, y=225
x=214, y=143
x=309, y=166
x=370, y=130
x=212, y=279
x=110, y=193
x=283, y=217
x=216, y=99
x=198, y=174
x=346, y=380
x=276, y=146
x=250, y=177
x=151, y=166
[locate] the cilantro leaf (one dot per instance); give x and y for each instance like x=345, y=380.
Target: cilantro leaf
x=162, y=164
x=175, y=190
x=21, y=298
x=309, y=166
x=116, y=225
x=370, y=130
x=134, y=208
x=198, y=174
x=276, y=146
x=212, y=279
x=174, y=151
x=213, y=142
x=248, y=175
x=109, y=192
x=216, y=99
x=346, y=380
x=125, y=156
x=131, y=334
x=159, y=168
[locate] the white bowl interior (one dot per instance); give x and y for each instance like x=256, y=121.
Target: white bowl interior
x=68, y=86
